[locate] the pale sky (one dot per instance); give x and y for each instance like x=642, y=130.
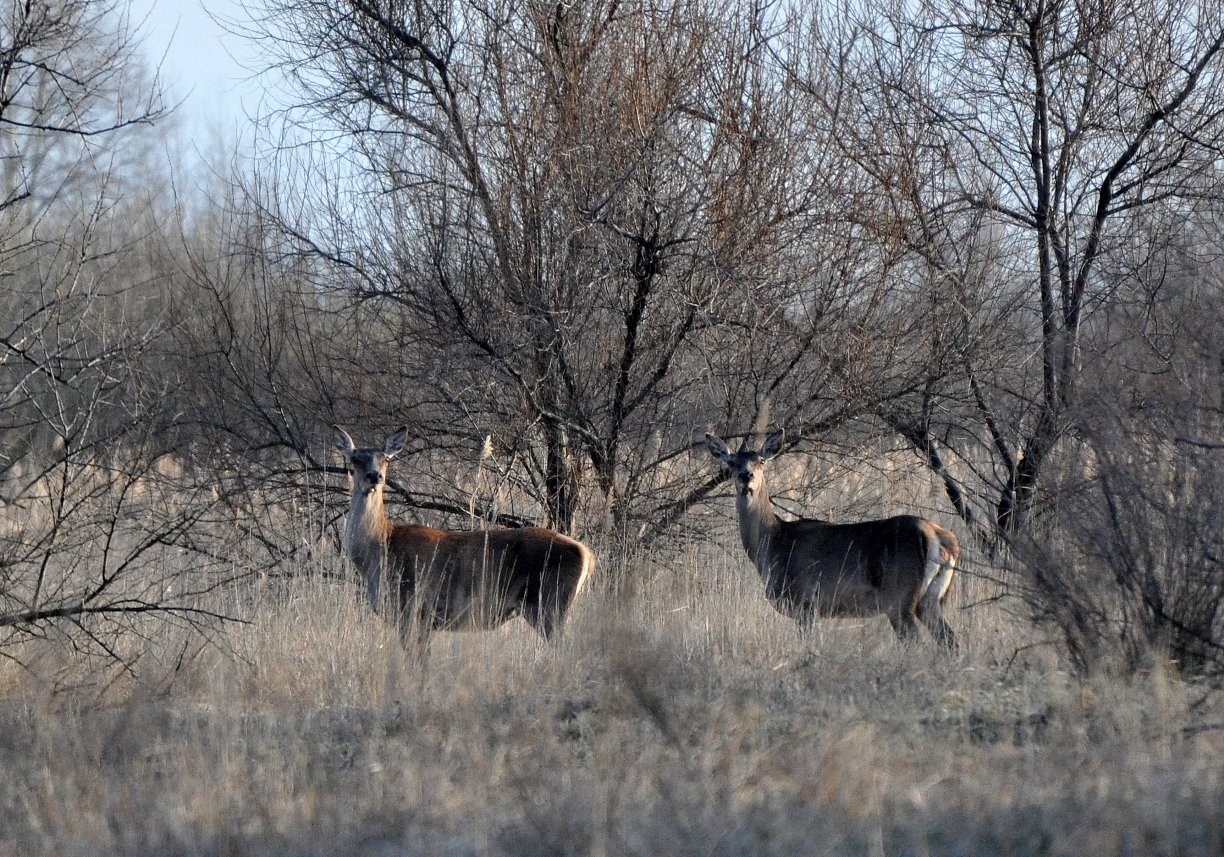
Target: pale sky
x=201, y=64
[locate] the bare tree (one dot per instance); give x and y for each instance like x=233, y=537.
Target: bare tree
x=69, y=85
x=1136, y=567
x=565, y=204
x=1032, y=169
x=1015, y=150
x=90, y=523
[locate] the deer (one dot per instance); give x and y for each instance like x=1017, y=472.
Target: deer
x=901, y=566
x=454, y=579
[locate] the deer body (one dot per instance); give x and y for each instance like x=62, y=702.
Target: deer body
x=455, y=580
x=901, y=567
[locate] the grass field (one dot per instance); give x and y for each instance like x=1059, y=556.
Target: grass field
x=686, y=718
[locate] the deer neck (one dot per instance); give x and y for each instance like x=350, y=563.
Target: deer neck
x=757, y=521
x=366, y=534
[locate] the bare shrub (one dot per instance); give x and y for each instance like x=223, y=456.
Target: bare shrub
x=1012, y=199
x=1129, y=565
x=96, y=513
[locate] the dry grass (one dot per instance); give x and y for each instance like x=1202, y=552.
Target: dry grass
x=689, y=720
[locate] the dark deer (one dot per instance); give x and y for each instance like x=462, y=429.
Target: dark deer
x=901, y=566
x=455, y=580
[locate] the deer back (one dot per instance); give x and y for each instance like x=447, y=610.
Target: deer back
x=480, y=579
x=846, y=568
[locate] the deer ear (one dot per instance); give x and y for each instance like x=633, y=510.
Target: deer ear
x=717, y=448
x=343, y=442
x=773, y=445
x=395, y=443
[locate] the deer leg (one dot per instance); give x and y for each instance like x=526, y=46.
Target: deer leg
x=546, y=623
x=945, y=635
x=805, y=618
x=547, y=618
x=546, y=603
x=930, y=609
x=932, y=616
x=415, y=635
x=905, y=623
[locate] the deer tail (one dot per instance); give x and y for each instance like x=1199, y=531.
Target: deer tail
x=942, y=551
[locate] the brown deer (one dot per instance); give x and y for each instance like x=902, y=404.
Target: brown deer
x=455, y=580
x=900, y=566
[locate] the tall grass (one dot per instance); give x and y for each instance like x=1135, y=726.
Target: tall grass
x=684, y=718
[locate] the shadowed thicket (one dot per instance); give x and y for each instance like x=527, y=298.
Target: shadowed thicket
x=563, y=243
x=97, y=516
